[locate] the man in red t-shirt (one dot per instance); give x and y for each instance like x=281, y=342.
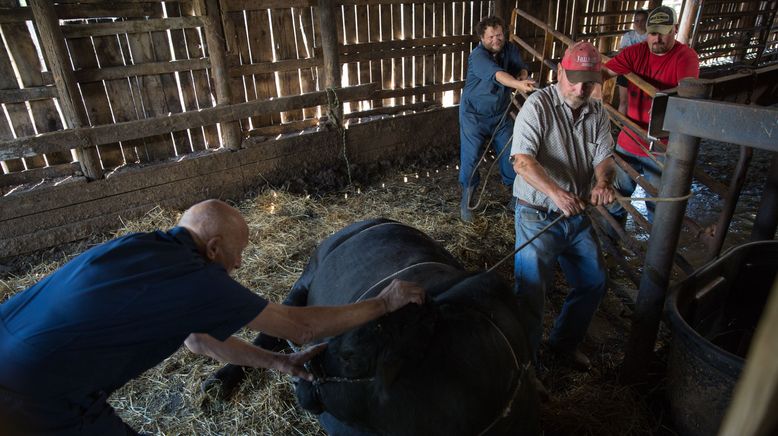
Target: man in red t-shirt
x=663, y=62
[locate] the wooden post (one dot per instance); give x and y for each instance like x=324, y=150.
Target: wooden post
x=53, y=43
x=329, y=44
x=548, y=46
x=214, y=37
x=688, y=20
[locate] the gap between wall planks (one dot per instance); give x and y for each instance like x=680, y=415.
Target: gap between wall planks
x=150, y=90
x=742, y=30
x=188, y=82
x=204, y=95
x=287, y=82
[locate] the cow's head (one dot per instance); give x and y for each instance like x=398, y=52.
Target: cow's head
x=446, y=352
x=368, y=359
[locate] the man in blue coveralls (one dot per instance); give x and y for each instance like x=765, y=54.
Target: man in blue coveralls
x=492, y=71
x=121, y=307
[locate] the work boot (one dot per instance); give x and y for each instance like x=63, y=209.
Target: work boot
x=465, y=214
x=574, y=359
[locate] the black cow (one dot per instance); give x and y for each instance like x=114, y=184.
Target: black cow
x=457, y=365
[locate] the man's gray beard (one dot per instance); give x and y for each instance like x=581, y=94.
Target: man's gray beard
x=578, y=103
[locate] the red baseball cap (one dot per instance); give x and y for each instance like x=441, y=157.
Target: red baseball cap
x=582, y=63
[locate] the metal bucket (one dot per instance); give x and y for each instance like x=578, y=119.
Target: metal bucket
x=713, y=314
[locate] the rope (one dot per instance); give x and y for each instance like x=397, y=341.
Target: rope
x=656, y=199
x=332, y=103
x=522, y=370
x=561, y=216
x=395, y=274
x=751, y=71
x=520, y=247
x=483, y=157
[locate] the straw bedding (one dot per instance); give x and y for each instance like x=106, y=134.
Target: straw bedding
x=284, y=229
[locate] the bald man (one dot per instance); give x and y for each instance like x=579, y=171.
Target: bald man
x=122, y=307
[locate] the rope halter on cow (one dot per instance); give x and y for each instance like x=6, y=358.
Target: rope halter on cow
x=522, y=371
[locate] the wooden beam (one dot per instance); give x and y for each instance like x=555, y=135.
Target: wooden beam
x=379, y=2
x=271, y=67
x=53, y=44
x=130, y=26
x=531, y=50
x=104, y=9
x=457, y=40
x=254, y=5
x=280, y=129
x=109, y=133
x=600, y=34
x=404, y=92
x=415, y=51
x=145, y=69
x=391, y=110
x=610, y=14
x=38, y=174
x=74, y=11
x=15, y=15
x=27, y=94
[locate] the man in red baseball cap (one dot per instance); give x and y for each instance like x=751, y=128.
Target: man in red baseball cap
x=561, y=142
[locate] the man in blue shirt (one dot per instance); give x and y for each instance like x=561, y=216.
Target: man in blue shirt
x=123, y=306
x=492, y=69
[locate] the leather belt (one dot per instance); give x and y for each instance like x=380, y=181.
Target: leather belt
x=537, y=208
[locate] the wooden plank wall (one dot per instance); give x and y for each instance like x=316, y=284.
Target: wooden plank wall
x=737, y=31
x=603, y=22
x=51, y=215
x=147, y=59
x=20, y=56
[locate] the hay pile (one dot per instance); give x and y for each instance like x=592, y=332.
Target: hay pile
x=284, y=229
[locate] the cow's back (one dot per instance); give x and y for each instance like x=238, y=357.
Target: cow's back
x=357, y=262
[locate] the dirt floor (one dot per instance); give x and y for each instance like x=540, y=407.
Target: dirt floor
x=285, y=227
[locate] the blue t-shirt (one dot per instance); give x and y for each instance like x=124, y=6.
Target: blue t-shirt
x=483, y=94
x=115, y=311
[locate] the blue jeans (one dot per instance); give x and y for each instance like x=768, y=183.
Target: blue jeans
x=572, y=243
x=626, y=186
x=474, y=132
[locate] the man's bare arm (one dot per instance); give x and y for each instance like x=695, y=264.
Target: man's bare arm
x=527, y=167
x=305, y=324
x=506, y=79
x=603, y=192
x=239, y=352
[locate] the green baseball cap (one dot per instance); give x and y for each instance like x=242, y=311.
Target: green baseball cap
x=661, y=20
